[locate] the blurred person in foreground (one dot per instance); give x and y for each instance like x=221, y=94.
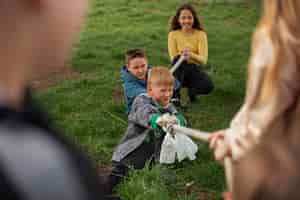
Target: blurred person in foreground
x=36, y=162
x=270, y=112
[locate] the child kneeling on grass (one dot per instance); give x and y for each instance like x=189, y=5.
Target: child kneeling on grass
x=144, y=136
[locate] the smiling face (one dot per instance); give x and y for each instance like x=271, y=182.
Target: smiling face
x=186, y=20
x=161, y=93
x=160, y=85
x=138, y=67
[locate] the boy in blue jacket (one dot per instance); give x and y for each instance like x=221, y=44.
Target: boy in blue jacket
x=134, y=77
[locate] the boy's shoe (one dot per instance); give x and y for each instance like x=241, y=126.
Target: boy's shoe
x=105, y=183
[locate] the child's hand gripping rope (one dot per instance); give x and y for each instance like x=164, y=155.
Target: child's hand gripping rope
x=166, y=120
x=175, y=146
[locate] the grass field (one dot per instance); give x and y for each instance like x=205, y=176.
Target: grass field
x=91, y=109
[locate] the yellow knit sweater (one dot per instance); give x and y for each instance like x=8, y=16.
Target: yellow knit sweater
x=196, y=42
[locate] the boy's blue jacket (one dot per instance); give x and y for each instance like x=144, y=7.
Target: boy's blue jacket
x=133, y=86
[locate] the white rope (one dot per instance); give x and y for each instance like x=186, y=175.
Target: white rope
x=177, y=64
x=200, y=135
x=204, y=136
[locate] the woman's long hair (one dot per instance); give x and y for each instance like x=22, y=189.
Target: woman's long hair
x=281, y=19
x=279, y=144
x=174, y=21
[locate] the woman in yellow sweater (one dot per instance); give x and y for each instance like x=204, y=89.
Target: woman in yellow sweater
x=187, y=38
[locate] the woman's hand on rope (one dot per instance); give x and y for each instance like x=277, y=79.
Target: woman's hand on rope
x=218, y=144
x=186, y=53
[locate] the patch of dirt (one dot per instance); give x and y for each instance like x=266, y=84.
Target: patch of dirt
x=117, y=94
x=64, y=73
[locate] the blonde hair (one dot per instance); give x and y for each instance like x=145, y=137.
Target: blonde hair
x=278, y=148
x=281, y=21
x=160, y=76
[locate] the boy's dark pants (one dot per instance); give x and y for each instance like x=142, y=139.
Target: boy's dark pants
x=193, y=77
x=135, y=160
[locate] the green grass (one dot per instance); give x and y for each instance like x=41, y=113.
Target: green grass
x=87, y=111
